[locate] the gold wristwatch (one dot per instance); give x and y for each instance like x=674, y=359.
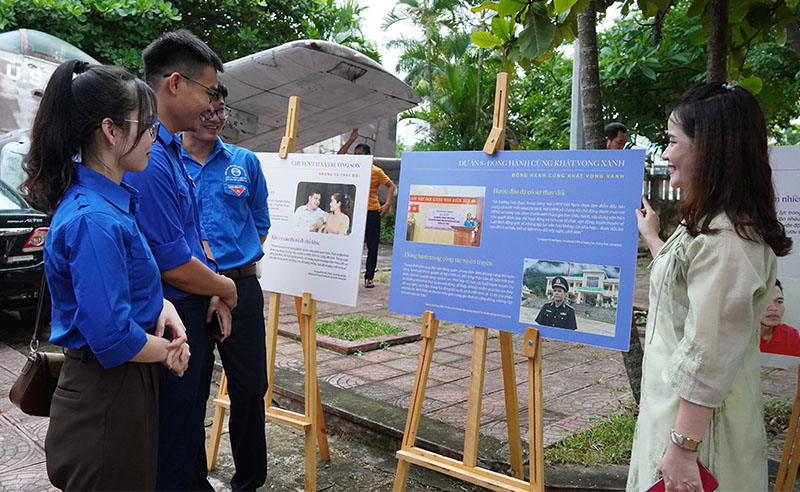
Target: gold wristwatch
x=684, y=442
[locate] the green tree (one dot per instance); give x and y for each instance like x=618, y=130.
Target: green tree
x=456, y=117
x=539, y=111
x=429, y=16
x=342, y=24
x=115, y=31
x=641, y=78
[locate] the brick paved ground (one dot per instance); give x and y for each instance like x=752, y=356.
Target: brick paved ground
x=580, y=383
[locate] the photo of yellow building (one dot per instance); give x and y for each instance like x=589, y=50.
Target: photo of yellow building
x=593, y=287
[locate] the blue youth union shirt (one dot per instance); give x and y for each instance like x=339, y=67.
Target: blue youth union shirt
x=168, y=213
x=232, y=195
x=104, y=283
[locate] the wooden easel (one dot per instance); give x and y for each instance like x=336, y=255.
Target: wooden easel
x=787, y=471
x=467, y=469
x=312, y=420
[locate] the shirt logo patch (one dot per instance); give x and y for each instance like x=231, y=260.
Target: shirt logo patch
x=236, y=179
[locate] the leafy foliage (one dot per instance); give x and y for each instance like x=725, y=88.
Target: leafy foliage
x=342, y=25
x=539, y=112
x=640, y=79
x=115, y=31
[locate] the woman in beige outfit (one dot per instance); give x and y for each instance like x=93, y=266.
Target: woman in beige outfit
x=709, y=283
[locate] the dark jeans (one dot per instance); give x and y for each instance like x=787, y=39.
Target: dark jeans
x=244, y=359
x=372, y=236
x=182, y=406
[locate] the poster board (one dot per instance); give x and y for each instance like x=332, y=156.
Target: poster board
x=310, y=249
x=517, y=220
x=786, y=177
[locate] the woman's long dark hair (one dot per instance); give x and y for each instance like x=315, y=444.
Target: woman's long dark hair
x=77, y=99
x=344, y=203
x=731, y=172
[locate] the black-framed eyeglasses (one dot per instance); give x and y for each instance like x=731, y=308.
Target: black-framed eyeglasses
x=221, y=113
x=211, y=91
x=153, y=130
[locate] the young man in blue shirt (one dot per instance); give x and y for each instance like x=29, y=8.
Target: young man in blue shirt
x=182, y=71
x=232, y=198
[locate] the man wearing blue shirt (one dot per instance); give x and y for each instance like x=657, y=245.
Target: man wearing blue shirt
x=232, y=197
x=310, y=217
x=182, y=71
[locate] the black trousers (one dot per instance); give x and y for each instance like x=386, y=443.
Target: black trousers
x=372, y=236
x=182, y=406
x=103, y=432
x=244, y=359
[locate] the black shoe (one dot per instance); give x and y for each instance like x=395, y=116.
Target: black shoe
x=368, y=283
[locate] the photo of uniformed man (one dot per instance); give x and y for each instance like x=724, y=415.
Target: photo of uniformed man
x=558, y=313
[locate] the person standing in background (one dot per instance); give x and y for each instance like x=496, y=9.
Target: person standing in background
x=375, y=210
x=616, y=136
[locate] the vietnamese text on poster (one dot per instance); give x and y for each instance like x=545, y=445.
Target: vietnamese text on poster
x=318, y=210
x=780, y=340
x=519, y=239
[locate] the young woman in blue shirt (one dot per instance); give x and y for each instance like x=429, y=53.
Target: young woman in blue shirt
x=94, y=124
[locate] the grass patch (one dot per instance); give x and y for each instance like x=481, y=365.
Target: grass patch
x=777, y=413
x=387, y=227
x=608, y=443
x=383, y=277
x=358, y=327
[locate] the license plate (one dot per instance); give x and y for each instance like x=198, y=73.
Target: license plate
x=21, y=258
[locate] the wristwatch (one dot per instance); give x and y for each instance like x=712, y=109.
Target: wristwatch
x=684, y=442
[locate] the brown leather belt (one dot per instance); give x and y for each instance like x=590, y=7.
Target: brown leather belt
x=240, y=272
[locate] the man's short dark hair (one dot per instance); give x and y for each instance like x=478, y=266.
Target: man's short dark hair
x=178, y=51
x=222, y=92
x=364, y=147
x=614, y=129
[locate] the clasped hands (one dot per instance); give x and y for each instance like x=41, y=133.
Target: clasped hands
x=178, y=353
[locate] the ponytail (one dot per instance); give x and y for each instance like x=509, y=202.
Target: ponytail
x=77, y=99
x=52, y=144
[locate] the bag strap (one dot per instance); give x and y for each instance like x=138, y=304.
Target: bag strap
x=44, y=300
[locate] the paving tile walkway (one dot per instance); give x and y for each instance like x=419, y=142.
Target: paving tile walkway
x=580, y=383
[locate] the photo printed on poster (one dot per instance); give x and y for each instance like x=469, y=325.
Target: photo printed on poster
x=780, y=339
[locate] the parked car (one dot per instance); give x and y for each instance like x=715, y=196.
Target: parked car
x=22, y=234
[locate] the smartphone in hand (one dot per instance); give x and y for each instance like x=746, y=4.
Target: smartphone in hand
x=215, y=325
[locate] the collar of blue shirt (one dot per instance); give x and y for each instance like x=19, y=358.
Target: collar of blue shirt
x=124, y=197
x=219, y=146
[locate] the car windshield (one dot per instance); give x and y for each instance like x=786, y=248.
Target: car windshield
x=9, y=200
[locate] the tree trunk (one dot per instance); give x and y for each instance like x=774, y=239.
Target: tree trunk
x=793, y=33
x=633, y=362
x=717, y=64
x=429, y=74
x=658, y=27
x=590, y=79
x=478, y=97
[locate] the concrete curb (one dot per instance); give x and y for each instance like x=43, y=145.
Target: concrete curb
x=382, y=424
